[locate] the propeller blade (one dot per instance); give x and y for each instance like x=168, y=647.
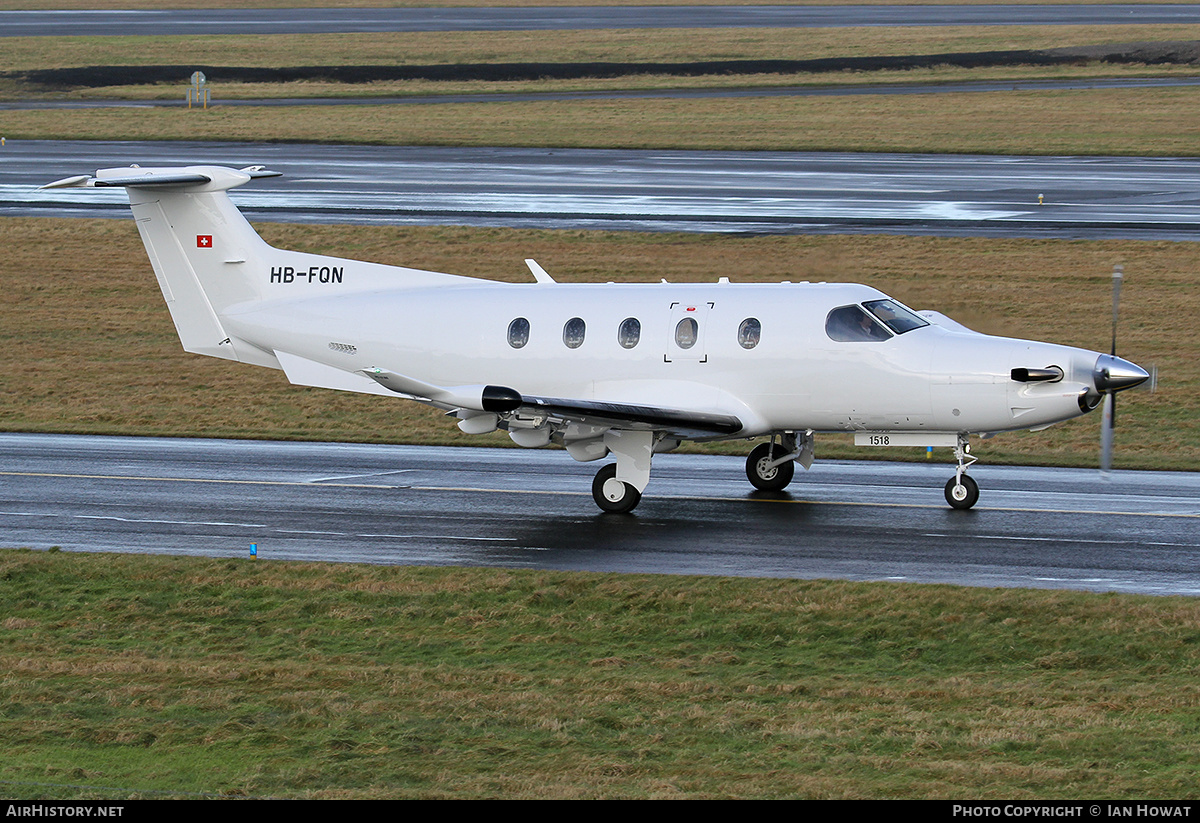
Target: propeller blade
x=1106, y=432
x=1111, y=374
x=1117, y=275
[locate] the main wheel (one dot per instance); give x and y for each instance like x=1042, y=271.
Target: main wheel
x=962, y=495
x=762, y=475
x=614, y=495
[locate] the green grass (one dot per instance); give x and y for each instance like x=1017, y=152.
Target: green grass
x=259, y=678
x=567, y=46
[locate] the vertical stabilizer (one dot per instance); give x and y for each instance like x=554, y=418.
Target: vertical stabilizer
x=211, y=264
x=201, y=247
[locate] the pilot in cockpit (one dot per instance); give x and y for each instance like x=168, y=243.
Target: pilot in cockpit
x=852, y=324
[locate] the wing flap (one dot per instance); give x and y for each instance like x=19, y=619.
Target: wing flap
x=676, y=422
x=680, y=423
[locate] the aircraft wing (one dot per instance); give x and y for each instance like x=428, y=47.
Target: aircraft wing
x=674, y=422
x=681, y=423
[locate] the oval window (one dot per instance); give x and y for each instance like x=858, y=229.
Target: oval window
x=630, y=332
x=518, y=332
x=749, y=332
x=573, y=332
x=686, y=332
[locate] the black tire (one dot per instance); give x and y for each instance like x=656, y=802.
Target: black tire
x=627, y=503
x=765, y=479
x=964, y=496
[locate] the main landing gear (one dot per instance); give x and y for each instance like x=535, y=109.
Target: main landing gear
x=618, y=486
x=962, y=492
x=613, y=495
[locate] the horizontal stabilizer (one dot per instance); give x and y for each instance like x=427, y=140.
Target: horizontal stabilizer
x=151, y=180
x=203, y=177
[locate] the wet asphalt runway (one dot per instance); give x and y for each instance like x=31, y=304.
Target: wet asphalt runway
x=515, y=508
x=701, y=191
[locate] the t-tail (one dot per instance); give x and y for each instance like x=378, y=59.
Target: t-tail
x=209, y=260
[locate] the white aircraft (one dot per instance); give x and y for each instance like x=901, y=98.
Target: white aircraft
x=621, y=369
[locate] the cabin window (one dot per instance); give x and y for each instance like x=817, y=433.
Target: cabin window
x=851, y=324
x=573, y=332
x=686, y=332
x=749, y=333
x=518, y=332
x=629, y=333
x=897, y=317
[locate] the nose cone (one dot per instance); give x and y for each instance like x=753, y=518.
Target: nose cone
x=1111, y=373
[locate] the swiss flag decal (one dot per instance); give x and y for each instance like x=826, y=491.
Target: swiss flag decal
x=204, y=241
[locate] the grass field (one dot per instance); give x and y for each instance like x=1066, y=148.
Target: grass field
x=580, y=46
x=178, y=677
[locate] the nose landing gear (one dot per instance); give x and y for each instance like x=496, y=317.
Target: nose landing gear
x=769, y=467
x=962, y=492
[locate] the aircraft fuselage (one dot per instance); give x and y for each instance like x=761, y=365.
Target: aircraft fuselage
x=795, y=376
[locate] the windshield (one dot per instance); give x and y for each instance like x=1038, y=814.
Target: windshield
x=895, y=316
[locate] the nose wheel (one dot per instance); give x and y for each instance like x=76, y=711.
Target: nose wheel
x=962, y=492
x=769, y=467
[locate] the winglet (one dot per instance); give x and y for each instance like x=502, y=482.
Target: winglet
x=68, y=182
x=539, y=274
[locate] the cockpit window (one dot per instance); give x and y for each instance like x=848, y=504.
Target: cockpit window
x=849, y=324
x=518, y=332
x=896, y=317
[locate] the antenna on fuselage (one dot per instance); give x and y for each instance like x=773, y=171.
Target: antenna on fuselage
x=539, y=274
